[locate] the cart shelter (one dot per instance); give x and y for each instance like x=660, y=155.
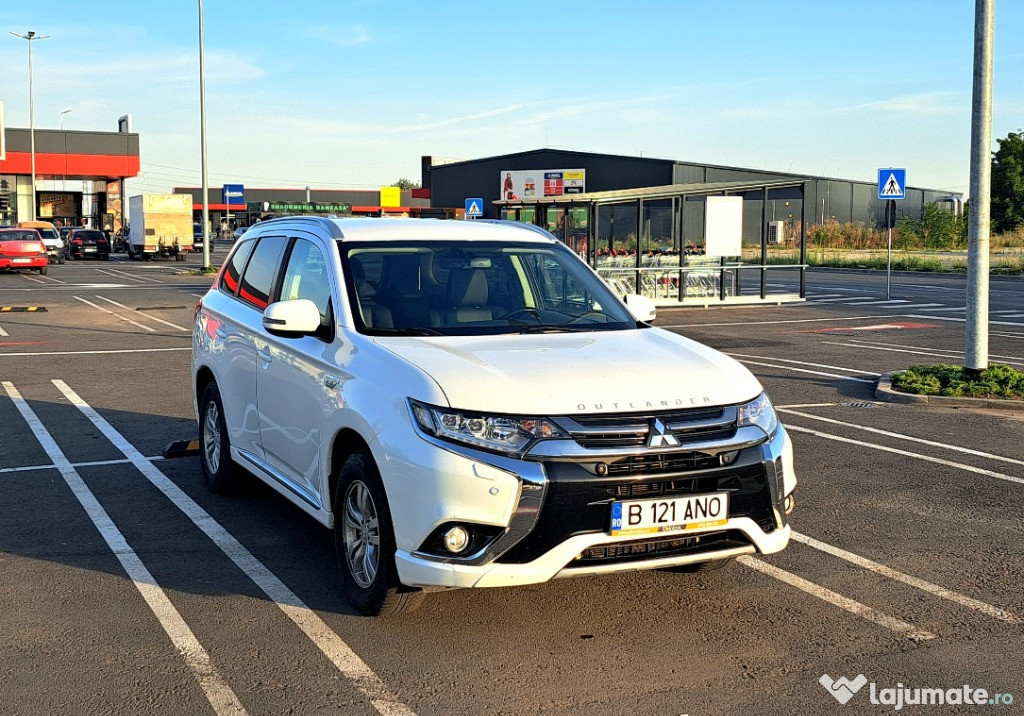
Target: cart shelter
x=653, y=240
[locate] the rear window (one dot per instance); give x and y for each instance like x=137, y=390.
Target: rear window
x=21, y=235
x=88, y=235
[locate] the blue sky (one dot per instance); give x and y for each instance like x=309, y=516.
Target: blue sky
x=351, y=94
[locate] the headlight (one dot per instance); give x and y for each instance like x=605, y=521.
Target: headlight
x=499, y=433
x=759, y=412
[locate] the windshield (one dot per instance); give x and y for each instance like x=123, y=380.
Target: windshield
x=475, y=288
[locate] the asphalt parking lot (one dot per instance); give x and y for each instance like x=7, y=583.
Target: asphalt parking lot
x=128, y=588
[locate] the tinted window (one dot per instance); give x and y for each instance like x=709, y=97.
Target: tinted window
x=306, y=277
x=258, y=279
x=88, y=235
x=229, y=282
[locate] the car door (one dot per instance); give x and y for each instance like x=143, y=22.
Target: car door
x=246, y=285
x=296, y=377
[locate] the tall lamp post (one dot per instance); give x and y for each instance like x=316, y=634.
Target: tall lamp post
x=63, y=177
x=63, y=112
x=202, y=141
x=29, y=36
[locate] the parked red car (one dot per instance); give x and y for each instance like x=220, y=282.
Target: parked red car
x=22, y=249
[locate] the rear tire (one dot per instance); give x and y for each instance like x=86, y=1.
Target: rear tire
x=42, y=271
x=365, y=542
x=219, y=471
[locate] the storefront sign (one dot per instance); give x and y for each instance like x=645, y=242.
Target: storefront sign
x=534, y=184
x=304, y=208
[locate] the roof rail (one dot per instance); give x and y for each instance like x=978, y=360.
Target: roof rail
x=532, y=227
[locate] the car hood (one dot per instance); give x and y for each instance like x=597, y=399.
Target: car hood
x=568, y=373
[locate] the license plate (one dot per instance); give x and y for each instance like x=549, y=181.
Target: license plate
x=674, y=514
x=90, y=249
x=21, y=261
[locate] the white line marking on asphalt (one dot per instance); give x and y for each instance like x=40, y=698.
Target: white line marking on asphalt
x=3, y=332
x=800, y=362
x=111, y=273
x=938, y=352
x=125, y=274
x=808, y=405
x=761, y=323
x=90, y=353
x=1006, y=335
x=219, y=694
x=33, y=278
x=962, y=320
x=812, y=296
x=862, y=342
x=880, y=303
x=921, y=584
x=907, y=453
x=91, y=463
x=152, y=318
x=332, y=645
x=812, y=372
x=901, y=436
x=864, y=612
x=844, y=298
x=118, y=315
x=922, y=306
x=936, y=310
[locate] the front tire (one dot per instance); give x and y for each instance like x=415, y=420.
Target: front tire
x=365, y=542
x=219, y=471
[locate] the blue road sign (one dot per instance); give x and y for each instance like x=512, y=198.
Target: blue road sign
x=892, y=183
x=233, y=194
x=474, y=207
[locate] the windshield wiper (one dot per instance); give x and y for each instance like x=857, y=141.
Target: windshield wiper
x=556, y=329
x=409, y=331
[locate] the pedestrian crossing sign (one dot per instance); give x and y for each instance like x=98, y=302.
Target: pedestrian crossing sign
x=474, y=207
x=892, y=183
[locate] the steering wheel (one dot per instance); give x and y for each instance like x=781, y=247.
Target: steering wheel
x=532, y=312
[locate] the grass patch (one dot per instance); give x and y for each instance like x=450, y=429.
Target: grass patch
x=201, y=271
x=996, y=381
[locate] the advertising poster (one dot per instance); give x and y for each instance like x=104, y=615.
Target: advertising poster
x=534, y=184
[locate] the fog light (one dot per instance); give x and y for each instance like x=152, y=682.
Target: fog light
x=788, y=505
x=727, y=458
x=456, y=539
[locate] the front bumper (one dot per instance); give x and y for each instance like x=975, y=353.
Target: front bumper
x=558, y=525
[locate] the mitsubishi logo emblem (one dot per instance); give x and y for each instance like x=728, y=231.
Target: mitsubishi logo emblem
x=660, y=436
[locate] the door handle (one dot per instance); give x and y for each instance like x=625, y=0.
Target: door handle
x=331, y=382
x=264, y=355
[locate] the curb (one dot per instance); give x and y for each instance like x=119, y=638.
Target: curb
x=884, y=391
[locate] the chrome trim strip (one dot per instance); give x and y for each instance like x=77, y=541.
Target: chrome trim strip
x=279, y=477
x=571, y=451
x=625, y=428
x=727, y=419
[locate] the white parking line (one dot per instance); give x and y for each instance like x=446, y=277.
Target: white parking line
x=862, y=342
x=76, y=465
x=812, y=372
x=219, y=694
x=864, y=612
x=938, y=353
x=125, y=274
x=28, y=354
x=962, y=320
x=879, y=303
x=116, y=275
x=800, y=362
x=921, y=584
x=118, y=315
x=152, y=318
x=3, y=332
x=761, y=323
x=844, y=298
x=922, y=306
x=937, y=310
x=900, y=436
x=33, y=278
x=907, y=453
x=332, y=645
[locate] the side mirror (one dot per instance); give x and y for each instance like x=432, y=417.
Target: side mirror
x=291, y=319
x=641, y=308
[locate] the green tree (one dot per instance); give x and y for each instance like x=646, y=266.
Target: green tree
x=404, y=183
x=1008, y=183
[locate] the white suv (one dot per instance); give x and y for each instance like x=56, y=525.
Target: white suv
x=468, y=404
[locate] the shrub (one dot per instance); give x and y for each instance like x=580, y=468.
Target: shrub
x=996, y=381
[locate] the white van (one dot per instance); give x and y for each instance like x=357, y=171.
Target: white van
x=467, y=404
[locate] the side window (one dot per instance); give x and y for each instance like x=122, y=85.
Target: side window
x=229, y=281
x=258, y=279
x=306, y=277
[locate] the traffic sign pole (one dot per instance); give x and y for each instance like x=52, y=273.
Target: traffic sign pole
x=892, y=185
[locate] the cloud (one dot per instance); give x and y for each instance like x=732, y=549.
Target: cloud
x=927, y=103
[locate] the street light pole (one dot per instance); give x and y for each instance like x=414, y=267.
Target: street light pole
x=202, y=141
x=66, y=111
x=29, y=36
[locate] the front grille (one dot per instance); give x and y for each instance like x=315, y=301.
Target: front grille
x=659, y=548
x=662, y=463
x=621, y=430
x=659, y=488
